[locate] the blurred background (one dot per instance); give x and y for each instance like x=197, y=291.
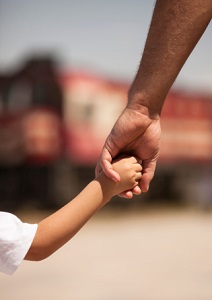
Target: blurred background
x=65, y=70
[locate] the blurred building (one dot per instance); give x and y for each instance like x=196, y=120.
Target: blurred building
x=53, y=126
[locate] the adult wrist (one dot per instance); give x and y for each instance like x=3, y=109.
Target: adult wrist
x=145, y=99
x=140, y=104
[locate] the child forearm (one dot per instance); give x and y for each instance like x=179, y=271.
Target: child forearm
x=57, y=229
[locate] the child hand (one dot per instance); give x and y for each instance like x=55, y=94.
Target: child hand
x=129, y=170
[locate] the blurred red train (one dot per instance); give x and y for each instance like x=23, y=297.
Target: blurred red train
x=92, y=104
x=53, y=127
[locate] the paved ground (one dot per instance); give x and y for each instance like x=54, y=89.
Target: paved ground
x=152, y=255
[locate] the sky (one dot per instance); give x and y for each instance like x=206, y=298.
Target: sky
x=106, y=37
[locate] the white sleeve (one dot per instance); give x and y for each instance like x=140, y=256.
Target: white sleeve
x=15, y=240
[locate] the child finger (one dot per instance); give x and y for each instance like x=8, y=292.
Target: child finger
x=134, y=159
x=138, y=175
x=138, y=167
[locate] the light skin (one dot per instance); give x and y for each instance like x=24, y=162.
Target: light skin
x=176, y=27
x=57, y=229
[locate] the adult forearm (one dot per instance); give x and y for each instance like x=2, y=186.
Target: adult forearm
x=175, y=29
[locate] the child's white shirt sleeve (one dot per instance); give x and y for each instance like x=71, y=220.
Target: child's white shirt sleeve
x=15, y=240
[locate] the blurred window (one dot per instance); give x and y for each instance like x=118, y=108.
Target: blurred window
x=20, y=96
x=39, y=93
x=88, y=111
x=1, y=104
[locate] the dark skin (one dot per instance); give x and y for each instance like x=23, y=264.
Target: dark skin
x=176, y=27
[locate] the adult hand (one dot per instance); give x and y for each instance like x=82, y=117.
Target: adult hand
x=134, y=133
